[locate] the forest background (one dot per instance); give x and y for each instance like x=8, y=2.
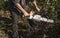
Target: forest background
x=49, y=9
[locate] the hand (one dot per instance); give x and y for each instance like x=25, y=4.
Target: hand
x=31, y=13
x=26, y=14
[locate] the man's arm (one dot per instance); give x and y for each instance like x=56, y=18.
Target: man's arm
x=21, y=8
x=35, y=4
x=18, y=5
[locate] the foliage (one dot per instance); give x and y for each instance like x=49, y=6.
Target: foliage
x=3, y=4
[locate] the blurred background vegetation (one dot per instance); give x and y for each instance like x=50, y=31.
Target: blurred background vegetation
x=49, y=9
